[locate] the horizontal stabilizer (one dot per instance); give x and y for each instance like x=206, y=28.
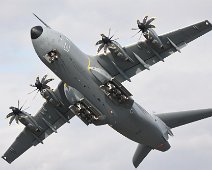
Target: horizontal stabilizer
x=140, y=153
x=176, y=119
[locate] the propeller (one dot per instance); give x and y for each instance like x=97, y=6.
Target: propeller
x=105, y=42
x=15, y=114
x=144, y=26
x=41, y=85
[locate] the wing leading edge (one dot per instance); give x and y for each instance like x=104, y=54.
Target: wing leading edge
x=49, y=118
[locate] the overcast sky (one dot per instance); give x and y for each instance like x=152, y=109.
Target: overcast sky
x=183, y=82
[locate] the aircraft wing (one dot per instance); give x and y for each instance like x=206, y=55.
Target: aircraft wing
x=49, y=118
x=146, y=54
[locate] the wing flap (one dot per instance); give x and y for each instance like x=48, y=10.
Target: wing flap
x=176, y=119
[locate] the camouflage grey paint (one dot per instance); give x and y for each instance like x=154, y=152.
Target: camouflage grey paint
x=72, y=67
x=84, y=76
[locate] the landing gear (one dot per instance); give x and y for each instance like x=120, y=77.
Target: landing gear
x=116, y=91
x=85, y=112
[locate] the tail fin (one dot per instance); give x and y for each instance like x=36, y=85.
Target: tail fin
x=140, y=153
x=176, y=119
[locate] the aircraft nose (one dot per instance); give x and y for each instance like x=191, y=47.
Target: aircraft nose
x=36, y=32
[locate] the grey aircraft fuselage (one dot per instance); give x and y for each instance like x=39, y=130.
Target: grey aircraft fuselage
x=72, y=67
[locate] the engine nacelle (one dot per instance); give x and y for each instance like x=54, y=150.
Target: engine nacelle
x=29, y=121
x=50, y=96
x=33, y=128
x=117, y=50
x=152, y=36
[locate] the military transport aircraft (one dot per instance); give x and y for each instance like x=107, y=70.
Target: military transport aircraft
x=91, y=88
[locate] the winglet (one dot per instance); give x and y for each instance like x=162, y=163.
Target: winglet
x=41, y=20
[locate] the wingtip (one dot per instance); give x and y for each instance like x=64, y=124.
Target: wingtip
x=207, y=22
x=135, y=164
x=5, y=158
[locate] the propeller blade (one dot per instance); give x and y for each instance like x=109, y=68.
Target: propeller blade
x=26, y=108
x=35, y=95
x=23, y=105
x=109, y=32
x=99, y=42
x=151, y=26
x=138, y=22
x=10, y=114
x=18, y=104
x=135, y=29
x=47, y=81
x=37, y=80
x=44, y=78
x=41, y=21
x=16, y=119
x=136, y=33
x=145, y=19
x=46, y=86
x=11, y=119
x=140, y=37
x=100, y=48
x=32, y=85
x=115, y=39
x=32, y=92
x=111, y=37
x=149, y=21
x=105, y=48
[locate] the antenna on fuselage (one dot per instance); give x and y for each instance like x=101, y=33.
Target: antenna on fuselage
x=41, y=21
